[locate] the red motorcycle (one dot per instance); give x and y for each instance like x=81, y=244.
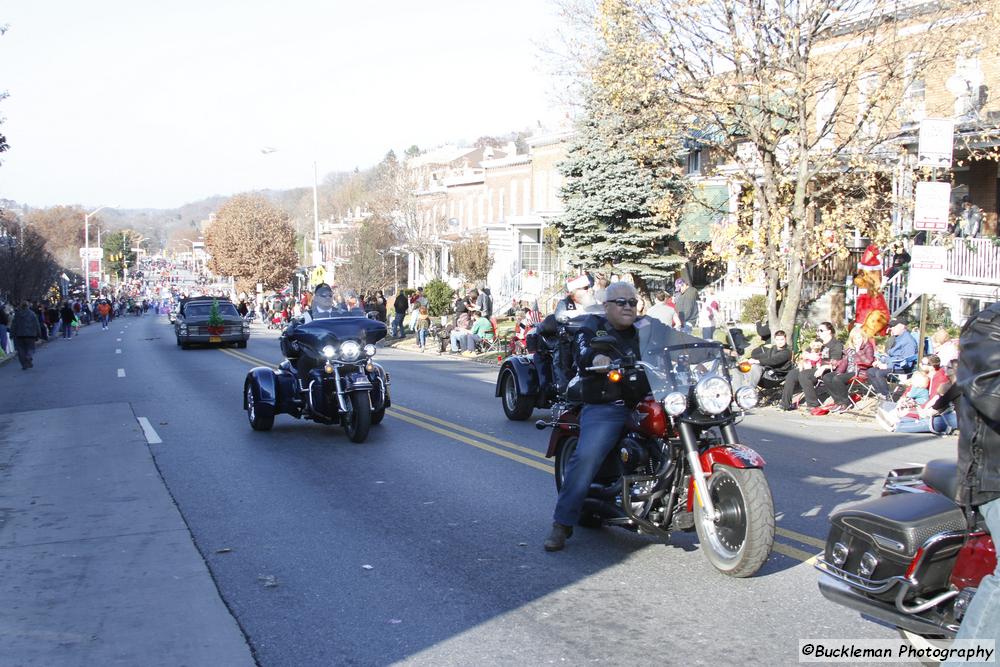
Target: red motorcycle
x=909, y=558
x=678, y=464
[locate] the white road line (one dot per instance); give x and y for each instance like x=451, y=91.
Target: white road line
x=121, y=372
x=118, y=351
x=148, y=430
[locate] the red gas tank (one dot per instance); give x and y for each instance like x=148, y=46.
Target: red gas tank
x=649, y=418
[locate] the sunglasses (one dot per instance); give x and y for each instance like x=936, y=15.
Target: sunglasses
x=621, y=303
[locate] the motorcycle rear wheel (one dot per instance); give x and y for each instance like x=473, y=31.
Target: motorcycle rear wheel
x=516, y=406
x=360, y=419
x=740, y=541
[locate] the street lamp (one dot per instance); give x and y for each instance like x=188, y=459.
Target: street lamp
x=86, y=245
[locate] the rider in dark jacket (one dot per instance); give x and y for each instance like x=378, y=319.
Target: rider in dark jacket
x=978, y=377
x=606, y=404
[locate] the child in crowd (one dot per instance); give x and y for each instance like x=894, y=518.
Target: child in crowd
x=917, y=394
x=813, y=356
x=916, y=397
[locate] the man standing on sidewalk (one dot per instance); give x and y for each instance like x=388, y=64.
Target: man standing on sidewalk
x=399, y=305
x=25, y=329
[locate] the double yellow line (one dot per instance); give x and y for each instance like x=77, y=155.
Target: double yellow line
x=530, y=457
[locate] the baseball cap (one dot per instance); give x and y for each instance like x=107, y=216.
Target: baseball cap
x=896, y=320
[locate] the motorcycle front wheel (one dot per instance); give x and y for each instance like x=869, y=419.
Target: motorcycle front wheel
x=739, y=541
x=360, y=419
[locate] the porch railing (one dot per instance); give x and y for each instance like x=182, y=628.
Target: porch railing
x=974, y=261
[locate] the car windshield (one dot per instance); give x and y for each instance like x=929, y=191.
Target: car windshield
x=203, y=310
x=679, y=367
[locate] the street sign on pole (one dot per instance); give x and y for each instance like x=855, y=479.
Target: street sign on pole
x=95, y=253
x=928, y=269
x=932, y=206
x=935, y=142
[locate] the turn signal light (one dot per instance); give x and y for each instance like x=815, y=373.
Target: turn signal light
x=328, y=368
x=615, y=376
x=744, y=366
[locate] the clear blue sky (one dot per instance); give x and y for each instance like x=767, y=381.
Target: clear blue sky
x=153, y=104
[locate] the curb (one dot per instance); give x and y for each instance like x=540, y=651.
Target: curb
x=13, y=355
x=407, y=344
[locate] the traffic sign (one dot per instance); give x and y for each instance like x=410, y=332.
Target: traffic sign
x=95, y=253
x=932, y=207
x=935, y=142
x=928, y=269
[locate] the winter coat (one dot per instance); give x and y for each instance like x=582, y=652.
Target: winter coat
x=686, y=304
x=25, y=324
x=400, y=304
x=770, y=356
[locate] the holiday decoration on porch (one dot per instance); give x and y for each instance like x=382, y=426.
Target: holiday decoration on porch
x=870, y=311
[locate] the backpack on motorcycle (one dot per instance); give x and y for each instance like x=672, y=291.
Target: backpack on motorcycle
x=978, y=376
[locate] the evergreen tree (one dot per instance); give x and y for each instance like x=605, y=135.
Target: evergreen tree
x=619, y=212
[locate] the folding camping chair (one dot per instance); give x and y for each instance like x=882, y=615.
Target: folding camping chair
x=494, y=345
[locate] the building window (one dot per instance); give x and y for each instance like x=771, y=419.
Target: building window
x=693, y=162
x=534, y=257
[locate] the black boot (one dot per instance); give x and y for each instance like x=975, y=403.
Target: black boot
x=557, y=538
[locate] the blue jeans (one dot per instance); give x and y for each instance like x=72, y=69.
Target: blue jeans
x=422, y=337
x=877, y=380
x=397, y=325
x=457, y=339
x=600, y=426
x=942, y=424
x=982, y=620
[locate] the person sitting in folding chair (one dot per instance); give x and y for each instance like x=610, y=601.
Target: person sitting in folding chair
x=855, y=364
x=902, y=353
x=484, y=334
x=831, y=353
x=775, y=357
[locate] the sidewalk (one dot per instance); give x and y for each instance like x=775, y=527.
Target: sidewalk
x=97, y=567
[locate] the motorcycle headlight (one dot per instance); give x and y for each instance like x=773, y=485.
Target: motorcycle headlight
x=746, y=397
x=713, y=395
x=369, y=350
x=329, y=351
x=350, y=350
x=675, y=403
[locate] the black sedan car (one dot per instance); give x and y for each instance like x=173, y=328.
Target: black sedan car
x=193, y=324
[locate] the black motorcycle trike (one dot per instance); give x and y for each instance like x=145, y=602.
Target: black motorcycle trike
x=539, y=378
x=328, y=376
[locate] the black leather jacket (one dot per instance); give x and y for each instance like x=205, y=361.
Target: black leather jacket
x=979, y=408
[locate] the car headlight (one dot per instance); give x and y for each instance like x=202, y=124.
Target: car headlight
x=329, y=351
x=675, y=403
x=350, y=350
x=746, y=397
x=369, y=350
x=713, y=394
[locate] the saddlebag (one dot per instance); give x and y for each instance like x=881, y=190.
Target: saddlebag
x=882, y=537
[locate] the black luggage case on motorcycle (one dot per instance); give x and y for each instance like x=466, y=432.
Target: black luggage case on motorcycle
x=893, y=528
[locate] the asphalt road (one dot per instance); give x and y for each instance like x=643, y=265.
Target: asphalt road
x=424, y=544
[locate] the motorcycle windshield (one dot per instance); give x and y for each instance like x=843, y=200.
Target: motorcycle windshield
x=320, y=331
x=679, y=364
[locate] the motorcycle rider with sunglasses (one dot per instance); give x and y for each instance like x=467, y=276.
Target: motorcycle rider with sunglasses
x=606, y=405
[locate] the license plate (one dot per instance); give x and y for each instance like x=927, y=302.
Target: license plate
x=215, y=339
